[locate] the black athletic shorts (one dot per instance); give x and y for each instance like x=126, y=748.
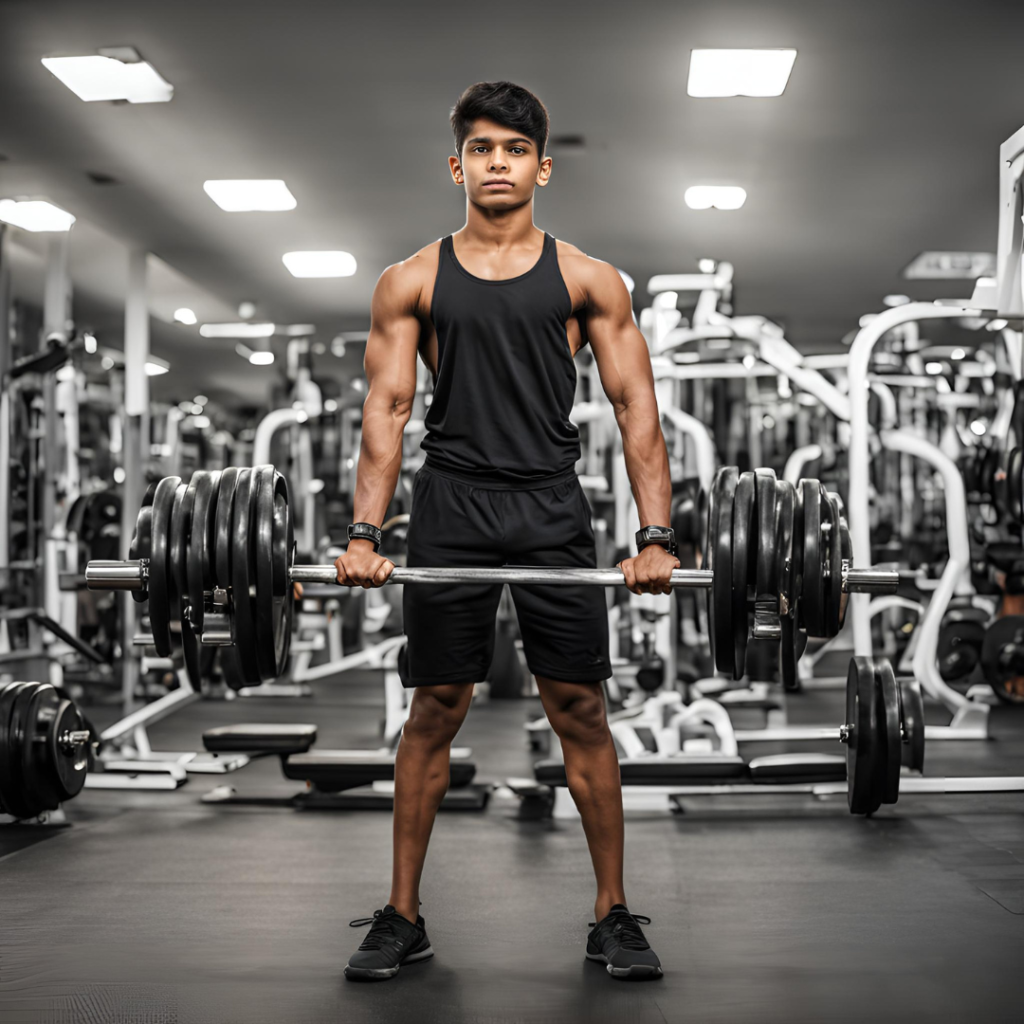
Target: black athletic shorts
x=451, y=626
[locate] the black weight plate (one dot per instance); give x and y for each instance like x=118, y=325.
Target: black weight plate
x=912, y=709
x=834, y=582
x=846, y=550
x=284, y=537
x=21, y=803
x=197, y=660
x=865, y=762
x=812, y=596
x=766, y=558
x=1013, y=484
x=160, y=585
x=38, y=772
x=223, y=519
x=1002, y=658
x=141, y=545
x=283, y=549
x=959, y=650
x=71, y=765
x=8, y=791
x=719, y=558
x=785, y=511
x=261, y=540
x=242, y=574
x=891, y=741
x=199, y=565
x=181, y=521
x=744, y=545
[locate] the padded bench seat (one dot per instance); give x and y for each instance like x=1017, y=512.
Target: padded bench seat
x=783, y=768
x=334, y=771
x=260, y=738
x=705, y=769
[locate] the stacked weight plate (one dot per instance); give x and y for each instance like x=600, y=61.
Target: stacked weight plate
x=778, y=554
x=219, y=548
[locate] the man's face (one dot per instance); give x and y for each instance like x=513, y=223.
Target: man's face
x=499, y=167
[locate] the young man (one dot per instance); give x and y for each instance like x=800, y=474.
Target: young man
x=497, y=311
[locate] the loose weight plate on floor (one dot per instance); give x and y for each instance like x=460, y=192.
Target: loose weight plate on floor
x=863, y=750
x=890, y=738
x=912, y=718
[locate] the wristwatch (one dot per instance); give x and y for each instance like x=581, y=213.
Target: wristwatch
x=663, y=536
x=365, y=531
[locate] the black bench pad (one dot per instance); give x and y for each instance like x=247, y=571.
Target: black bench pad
x=260, y=738
x=333, y=771
x=674, y=771
x=783, y=768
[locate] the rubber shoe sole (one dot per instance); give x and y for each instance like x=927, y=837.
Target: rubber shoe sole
x=637, y=971
x=384, y=973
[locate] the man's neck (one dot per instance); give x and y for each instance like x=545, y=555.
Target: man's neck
x=499, y=229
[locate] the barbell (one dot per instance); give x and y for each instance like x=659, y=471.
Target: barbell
x=216, y=557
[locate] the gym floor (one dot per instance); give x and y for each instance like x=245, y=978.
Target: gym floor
x=154, y=907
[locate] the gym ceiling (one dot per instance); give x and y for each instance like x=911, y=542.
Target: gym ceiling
x=883, y=145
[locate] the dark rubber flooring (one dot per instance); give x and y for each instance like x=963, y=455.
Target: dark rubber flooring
x=158, y=909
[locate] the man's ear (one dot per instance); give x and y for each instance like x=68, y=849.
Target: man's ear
x=455, y=166
x=544, y=171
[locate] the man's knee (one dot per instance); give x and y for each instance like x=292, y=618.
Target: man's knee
x=577, y=713
x=437, y=712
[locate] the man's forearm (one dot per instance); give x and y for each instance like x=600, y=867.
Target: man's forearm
x=643, y=447
x=380, y=460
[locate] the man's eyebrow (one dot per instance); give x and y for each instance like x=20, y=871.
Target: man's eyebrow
x=508, y=142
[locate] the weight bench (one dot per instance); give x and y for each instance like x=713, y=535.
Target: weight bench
x=683, y=775
x=336, y=778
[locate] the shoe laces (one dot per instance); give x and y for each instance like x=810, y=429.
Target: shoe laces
x=627, y=927
x=381, y=929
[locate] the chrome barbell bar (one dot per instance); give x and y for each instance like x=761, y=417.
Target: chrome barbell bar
x=134, y=575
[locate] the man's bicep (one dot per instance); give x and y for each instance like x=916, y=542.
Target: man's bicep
x=623, y=360
x=390, y=360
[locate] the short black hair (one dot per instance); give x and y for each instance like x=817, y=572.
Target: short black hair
x=505, y=103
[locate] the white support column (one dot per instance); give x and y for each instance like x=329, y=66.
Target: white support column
x=134, y=442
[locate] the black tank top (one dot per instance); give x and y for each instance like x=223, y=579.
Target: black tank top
x=505, y=385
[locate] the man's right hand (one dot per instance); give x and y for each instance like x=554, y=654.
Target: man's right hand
x=361, y=566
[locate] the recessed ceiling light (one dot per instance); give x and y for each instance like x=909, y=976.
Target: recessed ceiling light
x=155, y=367
x=242, y=195
x=706, y=266
x=328, y=263
x=721, y=197
x=739, y=72
x=35, y=215
x=185, y=316
x=96, y=78
x=246, y=330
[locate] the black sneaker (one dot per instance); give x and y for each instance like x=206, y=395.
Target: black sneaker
x=390, y=942
x=619, y=942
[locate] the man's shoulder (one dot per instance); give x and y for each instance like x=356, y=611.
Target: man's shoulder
x=410, y=276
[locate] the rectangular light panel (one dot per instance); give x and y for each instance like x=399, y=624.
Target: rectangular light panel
x=320, y=264
x=95, y=79
x=243, y=196
x=35, y=215
x=716, y=73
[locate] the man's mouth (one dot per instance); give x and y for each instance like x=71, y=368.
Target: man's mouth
x=498, y=185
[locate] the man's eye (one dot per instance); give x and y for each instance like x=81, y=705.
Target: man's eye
x=517, y=149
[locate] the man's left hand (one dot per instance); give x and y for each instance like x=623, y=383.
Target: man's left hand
x=650, y=572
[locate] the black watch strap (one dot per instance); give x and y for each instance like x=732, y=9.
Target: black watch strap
x=663, y=536
x=365, y=531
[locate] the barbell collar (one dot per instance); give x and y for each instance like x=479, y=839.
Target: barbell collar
x=870, y=581
x=128, y=575
x=697, y=578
